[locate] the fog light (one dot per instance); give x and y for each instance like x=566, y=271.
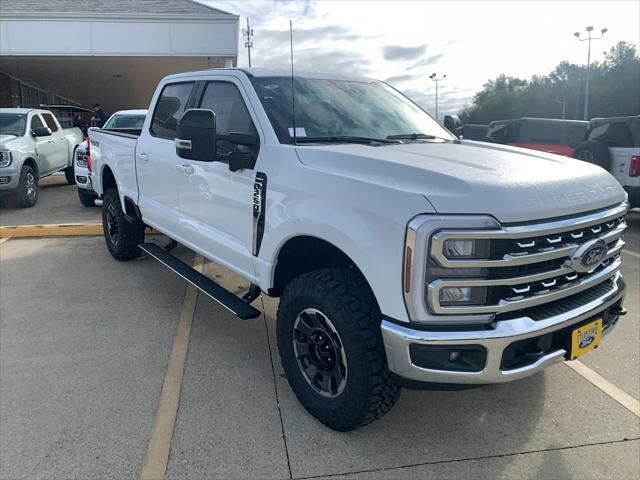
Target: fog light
x=453, y=358
x=4, y=180
x=463, y=296
x=466, y=248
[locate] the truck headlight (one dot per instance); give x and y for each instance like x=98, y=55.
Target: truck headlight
x=473, y=248
x=5, y=158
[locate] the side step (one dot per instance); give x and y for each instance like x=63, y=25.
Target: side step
x=224, y=297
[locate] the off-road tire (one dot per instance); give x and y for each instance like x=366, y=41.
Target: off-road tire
x=25, y=195
x=86, y=198
x=594, y=152
x=129, y=234
x=69, y=174
x=344, y=297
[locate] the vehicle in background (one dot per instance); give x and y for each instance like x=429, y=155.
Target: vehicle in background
x=33, y=145
x=472, y=131
x=123, y=121
x=400, y=254
x=67, y=114
x=545, y=134
x=469, y=131
x=614, y=144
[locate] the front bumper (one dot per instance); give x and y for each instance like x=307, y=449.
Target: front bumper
x=9, y=179
x=496, y=342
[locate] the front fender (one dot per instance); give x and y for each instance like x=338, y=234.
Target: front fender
x=367, y=222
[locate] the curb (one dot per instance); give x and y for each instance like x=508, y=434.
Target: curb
x=54, y=230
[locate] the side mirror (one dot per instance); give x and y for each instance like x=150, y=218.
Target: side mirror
x=41, y=132
x=196, y=135
x=452, y=123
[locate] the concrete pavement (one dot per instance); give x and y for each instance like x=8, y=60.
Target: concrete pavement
x=83, y=351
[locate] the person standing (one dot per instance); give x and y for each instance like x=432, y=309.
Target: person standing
x=99, y=117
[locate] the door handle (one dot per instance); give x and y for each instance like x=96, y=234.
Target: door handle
x=186, y=169
x=143, y=156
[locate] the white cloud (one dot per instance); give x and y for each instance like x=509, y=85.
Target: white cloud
x=405, y=41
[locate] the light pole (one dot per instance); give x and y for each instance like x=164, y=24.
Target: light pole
x=435, y=78
x=588, y=38
x=248, y=32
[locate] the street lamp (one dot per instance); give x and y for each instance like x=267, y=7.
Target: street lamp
x=588, y=38
x=435, y=78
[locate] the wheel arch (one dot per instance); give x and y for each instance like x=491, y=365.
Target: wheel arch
x=305, y=253
x=30, y=161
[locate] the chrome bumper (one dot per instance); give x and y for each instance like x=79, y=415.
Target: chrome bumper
x=398, y=338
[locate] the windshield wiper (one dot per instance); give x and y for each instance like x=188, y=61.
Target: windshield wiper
x=416, y=136
x=346, y=139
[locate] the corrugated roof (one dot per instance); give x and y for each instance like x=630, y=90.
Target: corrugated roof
x=124, y=7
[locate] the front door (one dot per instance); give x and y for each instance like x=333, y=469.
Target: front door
x=59, y=157
x=45, y=147
x=217, y=204
x=157, y=164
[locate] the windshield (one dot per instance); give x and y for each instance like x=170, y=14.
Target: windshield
x=13, y=124
x=125, y=121
x=338, y=109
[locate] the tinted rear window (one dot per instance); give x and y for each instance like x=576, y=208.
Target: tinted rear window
x=547, y=133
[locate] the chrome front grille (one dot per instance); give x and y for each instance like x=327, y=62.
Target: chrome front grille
x=528, y=265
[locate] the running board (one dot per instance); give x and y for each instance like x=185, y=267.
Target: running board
x=224, y=297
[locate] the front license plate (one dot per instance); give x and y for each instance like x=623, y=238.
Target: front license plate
x=585, y=338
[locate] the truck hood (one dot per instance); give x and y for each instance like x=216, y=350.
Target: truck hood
x=512, y=184
x=5, y=140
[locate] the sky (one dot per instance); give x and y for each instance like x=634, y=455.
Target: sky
x=403, y=42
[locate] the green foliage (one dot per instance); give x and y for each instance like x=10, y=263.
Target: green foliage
x=614, y=90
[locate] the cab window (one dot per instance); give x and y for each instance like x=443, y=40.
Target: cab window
x=50, y=121
x=36, y=122
x=232, y=116
x=169, y=108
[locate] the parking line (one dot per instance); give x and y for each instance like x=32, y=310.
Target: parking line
x=63, y=229
x=619, y=395
x=633, y=254
x=160, y=441
x=50, y=230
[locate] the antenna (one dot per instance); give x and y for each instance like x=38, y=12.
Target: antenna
x=293, y=94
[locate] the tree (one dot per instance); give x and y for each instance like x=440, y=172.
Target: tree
x=614, y=91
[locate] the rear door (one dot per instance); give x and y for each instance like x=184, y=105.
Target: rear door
x=157, y=164
x=59, y=155
x=216, y=203
x=624, y=140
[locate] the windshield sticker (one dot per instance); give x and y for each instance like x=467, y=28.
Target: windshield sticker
x=300, y=132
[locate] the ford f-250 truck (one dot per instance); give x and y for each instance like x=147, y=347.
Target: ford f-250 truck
x=32, y=146
x=402, y=256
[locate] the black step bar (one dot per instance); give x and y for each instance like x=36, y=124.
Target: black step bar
x=239, y=307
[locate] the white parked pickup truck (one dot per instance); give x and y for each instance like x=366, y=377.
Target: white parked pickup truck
x=121, y=121
x=32, y=146
x=401, y=255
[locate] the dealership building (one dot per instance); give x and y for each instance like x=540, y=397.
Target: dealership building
x=111, y=52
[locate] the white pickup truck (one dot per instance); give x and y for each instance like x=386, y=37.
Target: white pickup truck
x=401, y=255
x=32, y=146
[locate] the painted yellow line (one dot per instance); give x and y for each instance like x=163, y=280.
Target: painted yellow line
x=619, y=395
x=160, y=441
x=50, y=230
x=3, y=239
x=63, y=229
x=633, y=254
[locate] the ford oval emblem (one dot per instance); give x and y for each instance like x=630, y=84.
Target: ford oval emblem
x=586, y=341
x=589, y=255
